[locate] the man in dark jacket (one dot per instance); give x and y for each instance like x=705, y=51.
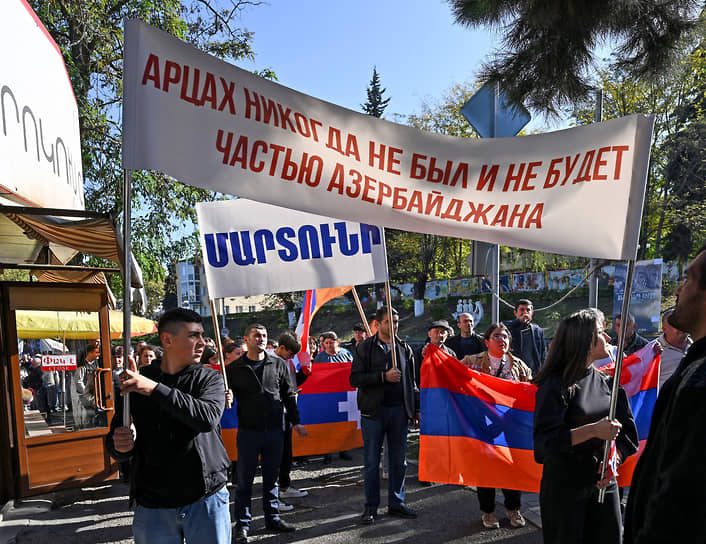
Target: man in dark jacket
x=467, y=342
x=666, y=501
x=527, y=337
x=262, y=389
x=180, y=466
x=633, y=341
x=387, y=400
x=438, y=334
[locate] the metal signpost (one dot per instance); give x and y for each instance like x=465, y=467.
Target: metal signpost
x=492, y=116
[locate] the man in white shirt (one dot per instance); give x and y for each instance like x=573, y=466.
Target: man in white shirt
x=675, y=344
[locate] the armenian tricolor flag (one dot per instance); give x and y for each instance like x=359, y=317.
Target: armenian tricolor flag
x=327, y=407
x=476, y=429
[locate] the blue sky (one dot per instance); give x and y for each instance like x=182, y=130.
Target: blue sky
x=327, y=48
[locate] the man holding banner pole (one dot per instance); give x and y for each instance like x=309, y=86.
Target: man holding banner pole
x=178, y=462
x=387, y=399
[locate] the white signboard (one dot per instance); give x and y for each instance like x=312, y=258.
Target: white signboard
x=40, y=150
x=59, y=362
x=250, y=248
x=210, y=124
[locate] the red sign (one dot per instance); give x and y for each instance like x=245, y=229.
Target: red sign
x=59, y=362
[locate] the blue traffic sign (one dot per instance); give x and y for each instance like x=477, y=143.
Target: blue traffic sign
x=489, y=113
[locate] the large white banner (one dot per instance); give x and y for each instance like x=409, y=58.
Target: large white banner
x=40, y=150
x=210, y=124
x=250, y=248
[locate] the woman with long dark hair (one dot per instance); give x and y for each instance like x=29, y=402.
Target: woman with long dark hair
x=570, y=430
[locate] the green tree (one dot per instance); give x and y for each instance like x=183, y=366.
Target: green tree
x=90, y=36
x=676, y=173
x=548, y=47
x=376, y=104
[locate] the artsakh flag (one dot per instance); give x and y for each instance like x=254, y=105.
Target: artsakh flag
x=327, y=408
x=476, y=429
x=314, y=299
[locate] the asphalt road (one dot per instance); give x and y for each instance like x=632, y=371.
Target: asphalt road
x=328, y=515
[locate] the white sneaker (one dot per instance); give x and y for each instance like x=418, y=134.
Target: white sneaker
x=282, y=507
x=490, y=521
x=291, y=493
x=516, y=519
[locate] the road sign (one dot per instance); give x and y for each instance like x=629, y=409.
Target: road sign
x=490, y=114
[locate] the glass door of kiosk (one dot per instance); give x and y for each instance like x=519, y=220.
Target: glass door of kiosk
x=57, y=360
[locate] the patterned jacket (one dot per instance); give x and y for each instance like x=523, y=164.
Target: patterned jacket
x=481, y=362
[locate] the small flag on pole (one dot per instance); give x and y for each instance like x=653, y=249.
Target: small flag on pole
x=313, y=300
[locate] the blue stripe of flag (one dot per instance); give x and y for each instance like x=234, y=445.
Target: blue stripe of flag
x=453, y=414
x=643, y=404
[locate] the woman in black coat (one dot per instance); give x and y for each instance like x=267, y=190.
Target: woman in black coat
x=570, y=430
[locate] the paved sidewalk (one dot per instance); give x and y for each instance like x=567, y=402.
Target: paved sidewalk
x=328, y=515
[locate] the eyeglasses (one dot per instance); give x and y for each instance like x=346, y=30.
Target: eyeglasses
x=499, y=337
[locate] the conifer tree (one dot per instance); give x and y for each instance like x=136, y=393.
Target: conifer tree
x=375, y=104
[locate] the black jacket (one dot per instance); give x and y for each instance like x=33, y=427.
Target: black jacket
x=367, y=374
x=182, y=414
x=477, y=346
x=533, y=352
x=260, y=405
x=632, y=344
x=669, y=477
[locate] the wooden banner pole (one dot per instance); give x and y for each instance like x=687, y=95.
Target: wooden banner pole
x=219, y=347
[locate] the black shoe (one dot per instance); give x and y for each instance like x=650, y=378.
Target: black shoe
x=425, y=484
x=327, y=459
x=345, y=456
x=369, y=515
x=241, y=535
x=401, y=511
x=280, y=526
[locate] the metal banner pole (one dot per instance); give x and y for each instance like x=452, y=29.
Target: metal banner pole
x=360, y=310
x=618, y=364
x=127, y=280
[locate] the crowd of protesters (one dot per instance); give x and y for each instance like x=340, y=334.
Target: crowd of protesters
x=181, y=467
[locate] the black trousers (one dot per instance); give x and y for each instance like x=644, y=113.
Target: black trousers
x=286, y=466
x=486, y=498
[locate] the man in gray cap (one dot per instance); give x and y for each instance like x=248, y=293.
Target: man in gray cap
x=438, y=332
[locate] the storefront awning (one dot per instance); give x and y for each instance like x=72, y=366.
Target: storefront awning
x=33, y=324
x=25, y=231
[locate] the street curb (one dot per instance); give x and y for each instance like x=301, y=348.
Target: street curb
x=6, y=508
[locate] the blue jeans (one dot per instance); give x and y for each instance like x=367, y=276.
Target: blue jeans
x=391, y=423
x=207, y=520
x=267, y=445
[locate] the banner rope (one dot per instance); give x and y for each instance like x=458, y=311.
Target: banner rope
x=568, y=293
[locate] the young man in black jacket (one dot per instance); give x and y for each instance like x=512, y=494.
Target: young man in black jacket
x=179, y=463
x=387, y=400
x=261, y=385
